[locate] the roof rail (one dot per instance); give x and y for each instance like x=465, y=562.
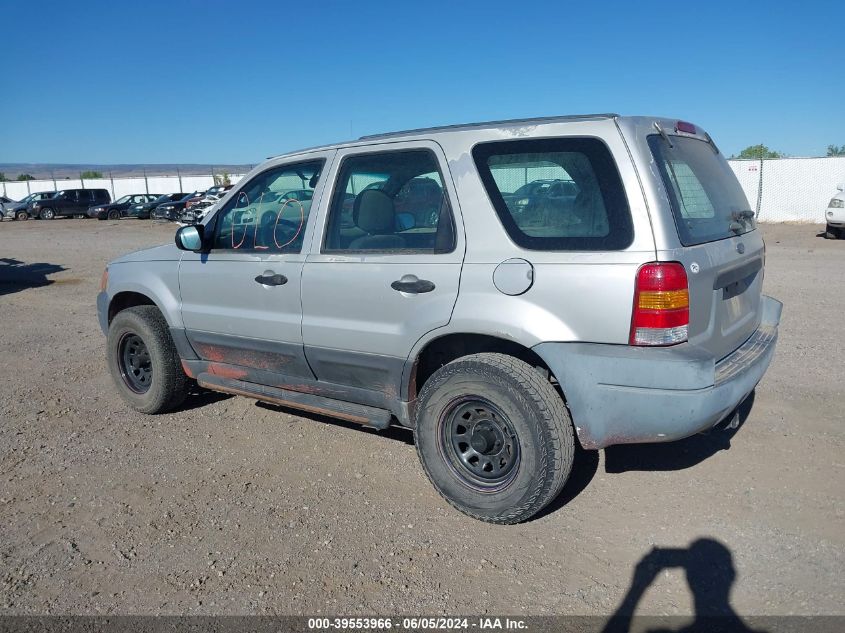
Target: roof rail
x=547, y=119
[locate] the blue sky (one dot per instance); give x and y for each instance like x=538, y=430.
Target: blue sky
x=215, y=82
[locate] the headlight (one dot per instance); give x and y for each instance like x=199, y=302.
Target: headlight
x=836, y=203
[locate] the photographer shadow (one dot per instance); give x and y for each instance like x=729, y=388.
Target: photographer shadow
x=710, y=575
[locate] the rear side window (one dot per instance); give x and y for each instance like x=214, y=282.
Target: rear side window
x=706, y=198
x=390, y=202
x=560, y=194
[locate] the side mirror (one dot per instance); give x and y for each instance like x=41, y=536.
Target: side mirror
x=190, y=238
x=840, y=187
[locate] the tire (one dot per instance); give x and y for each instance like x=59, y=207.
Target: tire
x=490, y=397
x=47, y=214
x=832, y=233
x=114, y=214
x=166, y=385
x=22, y=215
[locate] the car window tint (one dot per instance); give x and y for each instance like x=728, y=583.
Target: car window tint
x=390, y=202
x=262, y=217
x=556, y=194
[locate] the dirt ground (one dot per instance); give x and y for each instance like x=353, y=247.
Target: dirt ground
x=229, y=506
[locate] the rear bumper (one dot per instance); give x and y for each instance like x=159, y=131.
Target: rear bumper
x=618, y=394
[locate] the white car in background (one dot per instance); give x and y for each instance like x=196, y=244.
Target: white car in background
x=835, y=215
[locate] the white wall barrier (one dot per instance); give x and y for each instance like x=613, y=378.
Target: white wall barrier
x=793, y=189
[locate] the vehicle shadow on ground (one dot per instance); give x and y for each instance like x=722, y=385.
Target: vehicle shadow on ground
x=675, y=455
x=395, y=432
x=16, y=275
x=710, y=575
x=199, y=397
x=584, y=467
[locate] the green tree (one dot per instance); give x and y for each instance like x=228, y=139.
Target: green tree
x=758, y=151
x=3, y=177
x=25, y=177
x=836, y=150
x=90, y=175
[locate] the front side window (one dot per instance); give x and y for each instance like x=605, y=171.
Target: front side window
x=390, y=202
x=556, y=194
x=262, y=217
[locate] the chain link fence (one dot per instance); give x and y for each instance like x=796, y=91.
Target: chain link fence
x=790, y=189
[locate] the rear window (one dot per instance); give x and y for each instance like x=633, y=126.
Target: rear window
x=561, y=194
x=705, y=196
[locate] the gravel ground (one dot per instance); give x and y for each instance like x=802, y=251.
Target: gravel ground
x=229, y=506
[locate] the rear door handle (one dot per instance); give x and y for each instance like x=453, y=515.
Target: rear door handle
x=271, y=280
x=410, y=284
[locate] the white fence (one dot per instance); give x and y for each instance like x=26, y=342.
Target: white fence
x=790, y=189
x=779, y=190
x=117, y=187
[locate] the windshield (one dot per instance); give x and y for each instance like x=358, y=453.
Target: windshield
x=123, y=199
x=707, y=201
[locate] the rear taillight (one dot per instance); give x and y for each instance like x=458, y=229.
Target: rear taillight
x=661, y=305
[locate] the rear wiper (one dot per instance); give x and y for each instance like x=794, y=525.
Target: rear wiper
x=662, y=133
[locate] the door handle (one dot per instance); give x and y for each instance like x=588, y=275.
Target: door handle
x=271, y=280
x=411, y=284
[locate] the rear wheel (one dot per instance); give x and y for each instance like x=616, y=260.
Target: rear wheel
x=143, y=360
x=494, y=437
x=47, y=214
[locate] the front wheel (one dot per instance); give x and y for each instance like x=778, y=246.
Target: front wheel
x=494, y=437
x=832, y=233
x=22, y=215
x=143, y=360
x=114, y=214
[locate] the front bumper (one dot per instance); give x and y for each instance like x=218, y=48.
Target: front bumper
x=103, y=311
x=620, y=394
x=166, y=214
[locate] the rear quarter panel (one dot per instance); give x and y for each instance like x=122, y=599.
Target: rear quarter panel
x=576, y=295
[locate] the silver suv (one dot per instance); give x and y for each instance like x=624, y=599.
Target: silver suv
x=415, y=279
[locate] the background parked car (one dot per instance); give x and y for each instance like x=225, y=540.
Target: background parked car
x=68, y=202
x=114, y=210
x=173, y=210
x=4, y=203
x=540, y=195
x=835, y=215
x=212, y=195
x=144, y=210
x=19, y=211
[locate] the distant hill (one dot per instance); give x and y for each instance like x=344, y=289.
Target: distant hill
x=60, y=171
